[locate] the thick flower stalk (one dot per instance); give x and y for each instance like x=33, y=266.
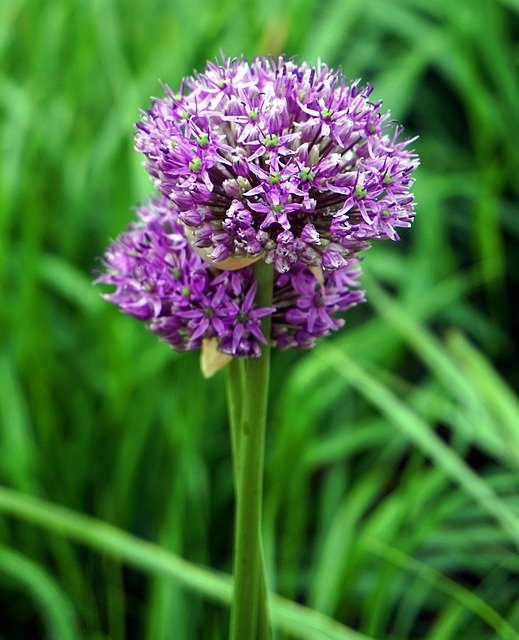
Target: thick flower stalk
x=161, y=280
x=279, y=161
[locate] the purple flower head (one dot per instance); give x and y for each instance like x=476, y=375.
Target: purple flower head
x=277, y=160
x=159, y=278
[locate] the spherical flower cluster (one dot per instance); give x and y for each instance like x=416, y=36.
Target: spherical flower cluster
x=278, y=161
x=160, y=279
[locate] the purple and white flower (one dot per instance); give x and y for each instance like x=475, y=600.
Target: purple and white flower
x=278, y=160
x=160, y=279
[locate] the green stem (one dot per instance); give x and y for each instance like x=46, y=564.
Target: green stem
x=235, y=395
x=249, y=617
x=235, y=382
x=264, y=632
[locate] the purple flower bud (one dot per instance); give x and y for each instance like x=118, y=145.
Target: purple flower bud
x=232, y=188
x=240, y=166
x=332, y=260
x=309, y=234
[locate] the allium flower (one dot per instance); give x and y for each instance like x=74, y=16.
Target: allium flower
x=160, y=279
x=279, y=161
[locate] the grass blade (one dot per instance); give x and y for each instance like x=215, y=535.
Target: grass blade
x=59, y=615
x=294, y=619
x=414, y=429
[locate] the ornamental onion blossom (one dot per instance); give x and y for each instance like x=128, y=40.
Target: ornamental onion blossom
x=161, y=280
x=278, y=160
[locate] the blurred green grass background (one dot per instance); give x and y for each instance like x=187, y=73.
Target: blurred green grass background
x=391, y=497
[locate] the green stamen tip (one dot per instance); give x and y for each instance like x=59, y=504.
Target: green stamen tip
x=388, y=179
x=306, y=174
x=276, y=208
x=360, y=191
x=253, y=115
x=242, y=317
x=186, y=115
x=203, y=139
x=326, y=113
x=271, y=140
x=186, y=292
x=176, y=273
x=195, y=164
x=274, y=178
